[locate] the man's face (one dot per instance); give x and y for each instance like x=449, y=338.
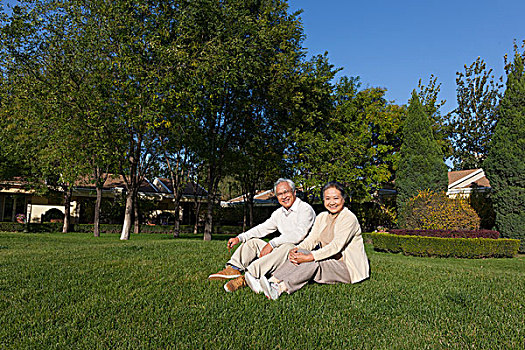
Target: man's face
x=285, y=195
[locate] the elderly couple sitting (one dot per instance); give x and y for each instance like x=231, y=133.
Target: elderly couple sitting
x=333, y=252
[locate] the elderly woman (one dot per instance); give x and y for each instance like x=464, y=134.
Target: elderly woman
x=340, y=256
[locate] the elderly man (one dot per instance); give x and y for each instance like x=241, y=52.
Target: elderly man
x=293, y=221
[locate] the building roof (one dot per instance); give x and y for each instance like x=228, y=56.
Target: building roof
x=114, y=183
x=262, y=197
x=190, y=189
x=463, y=182
x=467, y=179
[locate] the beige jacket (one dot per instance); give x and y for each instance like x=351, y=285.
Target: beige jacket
x=347, y=240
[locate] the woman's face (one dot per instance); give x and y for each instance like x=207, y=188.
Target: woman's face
x=333, y=200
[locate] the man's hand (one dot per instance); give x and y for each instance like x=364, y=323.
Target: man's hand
x=232, y=242
x=267, y=249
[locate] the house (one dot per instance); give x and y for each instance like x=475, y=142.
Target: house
x=464, y=182
x=17, y=198
x=264, y=198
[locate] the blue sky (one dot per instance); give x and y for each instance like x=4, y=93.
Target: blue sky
x=392, y=44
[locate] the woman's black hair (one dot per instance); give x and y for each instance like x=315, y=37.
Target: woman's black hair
x=336, y=185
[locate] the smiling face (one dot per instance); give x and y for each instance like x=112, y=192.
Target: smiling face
x=333, y=200
x=285, y=195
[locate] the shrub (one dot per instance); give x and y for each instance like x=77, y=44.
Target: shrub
x=446, y=247
x=52, y=214
x=32, y=227
x=434, y=210
x=448, y=233
x=484, y=206
x=108, y=228
x=421, y=162
x=504, y=165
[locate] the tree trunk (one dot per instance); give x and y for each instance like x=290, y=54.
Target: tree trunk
x=197, y=214
x=136, y=217
x=176, y=224
x=126, y=227
x=96, y=219
x=176, y=200
x=244, y=215
x=208, y=225
x=67, y=210
x=250, y=207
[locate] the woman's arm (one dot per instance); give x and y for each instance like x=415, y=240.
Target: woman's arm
x=344, y=231
x=297, y=258
x=312, y=239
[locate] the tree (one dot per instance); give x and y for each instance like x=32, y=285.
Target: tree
x=428, y=95
x=355, y=140
x=421, y=165
x=58, y=97
x=246, y=52
x=504, y=166
x=474, y=119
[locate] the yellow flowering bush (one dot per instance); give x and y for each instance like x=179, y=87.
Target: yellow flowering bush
x=430, y=210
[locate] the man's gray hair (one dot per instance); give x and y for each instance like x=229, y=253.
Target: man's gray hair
x=290, y=182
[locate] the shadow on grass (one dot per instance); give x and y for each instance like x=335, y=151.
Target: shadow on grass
x=200, y=236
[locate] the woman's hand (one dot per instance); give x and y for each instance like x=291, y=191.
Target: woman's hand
x=297, y=258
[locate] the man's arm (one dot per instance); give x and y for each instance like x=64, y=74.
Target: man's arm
x=260, y=230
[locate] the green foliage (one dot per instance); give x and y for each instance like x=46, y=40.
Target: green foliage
x=428, y=95
x=504, y=166
x=474, y=119
x=421, y=165
x=109, y=228
x=31, y=227
x=483, y=204
x=472, y=248
x=354, y=141
x=75, y=282
x=52, y=213
x=430, y=210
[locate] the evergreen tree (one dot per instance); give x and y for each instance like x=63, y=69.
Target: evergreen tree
x=504, y=166
x=421, y=164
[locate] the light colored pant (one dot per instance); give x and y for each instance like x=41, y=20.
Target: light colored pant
x=327, y=271
x=246, y=257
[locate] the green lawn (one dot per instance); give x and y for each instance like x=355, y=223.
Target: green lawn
x=73, y=291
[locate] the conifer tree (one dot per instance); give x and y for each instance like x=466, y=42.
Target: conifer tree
x=421, y=164
x=504, y=166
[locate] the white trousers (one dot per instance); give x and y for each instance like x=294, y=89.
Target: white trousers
x=246, y=257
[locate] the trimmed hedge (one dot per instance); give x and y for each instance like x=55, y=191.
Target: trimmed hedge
x=445, y=247
x=106, y=228
x=448, y=233
x=16, y=227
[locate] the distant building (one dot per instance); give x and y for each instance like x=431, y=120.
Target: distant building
x=464, y=182
x=261, y=198
x=17, y=198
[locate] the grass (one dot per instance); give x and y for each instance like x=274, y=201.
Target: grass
x=65, y=291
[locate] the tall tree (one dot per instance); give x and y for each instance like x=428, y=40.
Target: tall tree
x=355, y=140
x=428, y=95
x=474, y=119
x=421, y=164
x=504, y=166
x=59, y=93
x=247, y=49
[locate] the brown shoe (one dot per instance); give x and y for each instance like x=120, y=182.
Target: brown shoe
x=235, y=284
x=225, y=274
